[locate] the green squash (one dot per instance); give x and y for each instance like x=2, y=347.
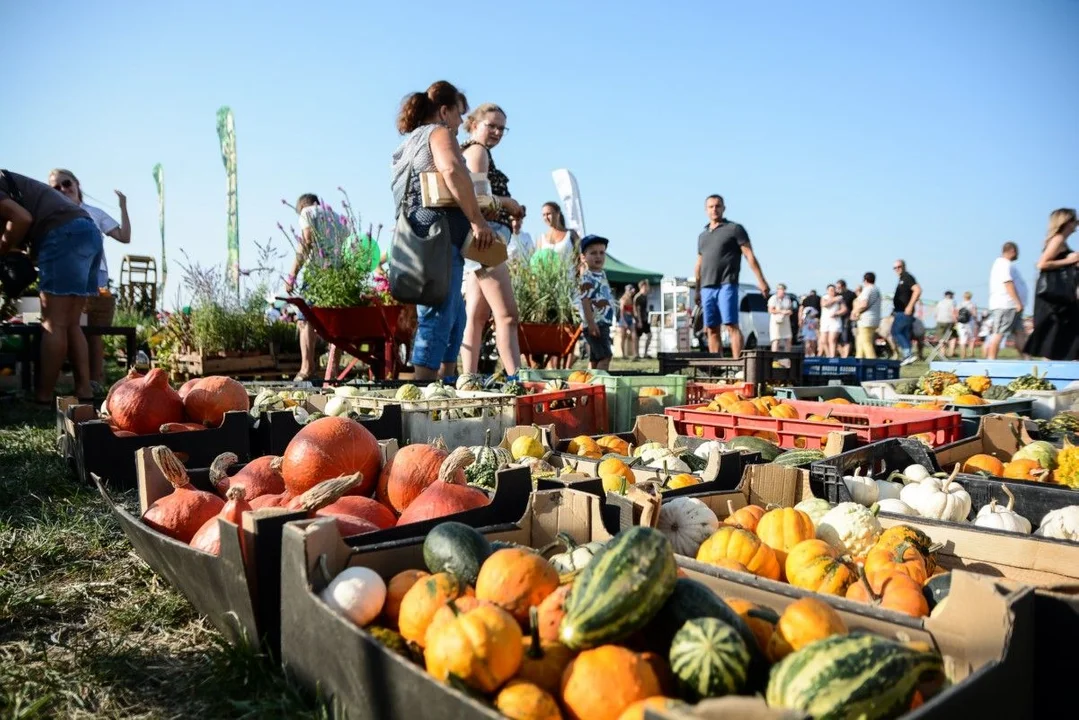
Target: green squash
x=696, y=463
x=576, y=557
x=709, y=659
x=455, y=548
x=798, y=458
x=514, y=388
x=469, y=381
x=937, y=588
x=489, y=460
x=408, y=392
x=769, y=451
x=846, y=676
x=620, y=590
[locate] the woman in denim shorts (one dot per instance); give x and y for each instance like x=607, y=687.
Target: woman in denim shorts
x=68, y=249
x=429, y=121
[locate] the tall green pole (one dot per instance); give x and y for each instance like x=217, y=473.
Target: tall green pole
x=226, y=133
x=159, y=180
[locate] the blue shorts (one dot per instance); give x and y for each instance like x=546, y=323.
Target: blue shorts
x=720, y=305
x=440, y=329
x=68, y=258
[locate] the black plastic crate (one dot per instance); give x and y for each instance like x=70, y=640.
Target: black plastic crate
x=272, y=431
x=754, y=366
x=1032, y=500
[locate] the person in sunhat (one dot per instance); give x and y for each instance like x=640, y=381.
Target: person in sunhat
x=596, y=304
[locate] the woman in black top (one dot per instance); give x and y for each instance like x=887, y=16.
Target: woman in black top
x=1056, y=325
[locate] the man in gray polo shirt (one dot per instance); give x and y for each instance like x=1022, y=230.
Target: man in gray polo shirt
x=720, y=249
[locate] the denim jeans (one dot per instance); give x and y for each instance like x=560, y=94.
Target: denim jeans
x=902, y=330
x=441, y=328
x=68, y=259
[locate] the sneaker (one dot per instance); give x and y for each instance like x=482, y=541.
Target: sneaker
x=908, y=360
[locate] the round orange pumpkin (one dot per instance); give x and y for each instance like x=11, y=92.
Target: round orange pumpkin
x=480, y=646
x=1024, y=470
x=208, y=399
x=551, y=612
x=184, y=389
x=891, y=590
x=734, y=543
x=760, y=619
x=422, y=601
x=515, y=579
x=784, y=412
x=543, y=662
x=261, y=476
x=396, y=588
x=448, y=494
x=744, y=407
x=903, y=558
x=815, y=565
x=407, y=474
x=896, y=535
x=599, y=684
x=327, y=448
x=745, y=517
x=361, y=507
x=143, y=404
x=521, y=700
x=983, y=463
x=803, y=622
x=783, y=528
x=450, y=611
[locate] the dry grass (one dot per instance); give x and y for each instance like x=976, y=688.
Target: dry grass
x=87, y=630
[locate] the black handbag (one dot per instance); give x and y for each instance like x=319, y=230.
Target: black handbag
x=17, y=269
x=1058, y=287
x=420, y=265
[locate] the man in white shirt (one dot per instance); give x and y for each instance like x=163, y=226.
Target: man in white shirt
x=945, y=315
x=1007, y=293
x=780, y=309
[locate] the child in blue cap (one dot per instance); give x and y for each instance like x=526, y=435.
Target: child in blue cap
x=596, y=302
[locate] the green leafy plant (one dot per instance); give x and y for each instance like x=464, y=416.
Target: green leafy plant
x=545, y=289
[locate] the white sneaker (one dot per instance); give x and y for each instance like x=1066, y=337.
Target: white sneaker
x=908, y=360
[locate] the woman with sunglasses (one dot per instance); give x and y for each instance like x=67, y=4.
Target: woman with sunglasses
x=66, y=244
x=101, y=307
x=489, y=291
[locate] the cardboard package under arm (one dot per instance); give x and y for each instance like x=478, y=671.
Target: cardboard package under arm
x=239, y=589
x=986, y=631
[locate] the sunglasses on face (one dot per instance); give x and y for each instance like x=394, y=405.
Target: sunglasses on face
x=65, y=184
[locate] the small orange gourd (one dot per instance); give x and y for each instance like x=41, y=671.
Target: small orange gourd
x=745, y=517
x=543, y=662
x=903, y=558
x=521, y=700
x=891, y=590
x=396, y=588
x=551, y=612
x=658, y=702
x=783, y=528
x=803, y=622
x=815, y=565
x=515, y=579
x=481, y=647
x=423, y=600
x=734, y=543
x=599, y=684
x=760, y=619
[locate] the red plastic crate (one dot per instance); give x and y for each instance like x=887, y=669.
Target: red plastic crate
x=870, y=423
x=704, y=392
x=580, y=410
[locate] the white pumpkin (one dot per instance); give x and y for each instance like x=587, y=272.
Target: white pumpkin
x=862, y=488
x=1061, y=524
x=642, y=449
x=815, y=508
x=995, y=517
x=337, y=406
x=850, y=528
x=671, y=464
x=358, y=593
x=888, y=490
x=347, y=391
x=896, y=506
x=911, y=474
x=938, y=500
x=704, y=450
x=687, y=522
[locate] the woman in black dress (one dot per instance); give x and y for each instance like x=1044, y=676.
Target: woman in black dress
x=1056, y=325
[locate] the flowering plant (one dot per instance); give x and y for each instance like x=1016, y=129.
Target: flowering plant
x=341, y=267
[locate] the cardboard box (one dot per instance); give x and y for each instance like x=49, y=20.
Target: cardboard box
x=999, y=435
x=494, y=254
x=239, y=591
x=990, y=646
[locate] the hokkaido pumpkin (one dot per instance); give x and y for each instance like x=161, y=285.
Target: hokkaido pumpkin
x=208, y=399
x=327, y=448
x=181, y=513
x=745, y=517
x=407, y=474
x=543, y=662
x=815, y=565
x=551, y=612
x=132, y=374
x=208, y=537
x=760, y=619
x=599, y=684
x=186, y=387
x=361, y=507
x=515, y=579
x=521, y=700
x=982, y=463
x=783, y=528
x=396, y=588
x=891, y=590
x=481, y=648
x=803, y=622
x=143, y=404
x=175, y=427
x=422, y=601
x=448, y=494
x=737, y=544
x=903, y=558
x=318, y=497
x=261, y=476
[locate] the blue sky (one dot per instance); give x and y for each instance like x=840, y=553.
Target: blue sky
x=842, y=134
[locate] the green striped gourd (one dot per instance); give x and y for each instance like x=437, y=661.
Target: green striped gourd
x=798, y=458
x=620, y=590
x=696, y=464
x=769, y=451
x=847, y=676
x=709, y=659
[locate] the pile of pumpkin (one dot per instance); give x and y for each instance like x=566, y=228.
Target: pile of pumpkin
x=140, y=404
x=841, y=550
x=1038, y=461
x=604, y=630
x=331, y=468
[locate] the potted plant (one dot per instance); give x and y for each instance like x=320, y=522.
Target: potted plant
x=545, y=287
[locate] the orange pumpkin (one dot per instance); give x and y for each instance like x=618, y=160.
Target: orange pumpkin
x=896, y=535
x=449, y=611
x=681, y=480
x=599, y=684
x=743, y=407
x=396, y=588
x=1024, y=470
x=361, y=507
x=142, y=404
x=904, y=558
x=770, y=401
x=760, y=619
x=891, y=590
x=615, y=474
x=515, y=579
x=744, y=517
x=261, y=476
x=207, y=400
x=815, y=565
x=481, y=647
x=783, y=528
x=726, y=399
x=551, y=612
x=983, y=463
x=583, y=445
x=614, y=443
x=579, y=376
x=839, y=401
x=803, y=622
x=762, y=407
x=448, y=494
x=659, y=702
x=732, y=543
x=327, y=448
x=784, y=412
x=525, y=701
x=651, y=392
x=543, y=662
x=407, y=474
x=422, y=601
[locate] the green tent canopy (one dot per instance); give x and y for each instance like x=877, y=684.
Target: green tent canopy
x=618, y=273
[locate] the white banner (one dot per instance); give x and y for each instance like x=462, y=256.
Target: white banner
x=570, y=197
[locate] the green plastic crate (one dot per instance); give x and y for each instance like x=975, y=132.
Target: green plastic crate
x=624, y=403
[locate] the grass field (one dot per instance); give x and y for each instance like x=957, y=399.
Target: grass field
x=87, y=630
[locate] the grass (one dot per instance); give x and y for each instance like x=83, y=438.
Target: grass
x=87, y=630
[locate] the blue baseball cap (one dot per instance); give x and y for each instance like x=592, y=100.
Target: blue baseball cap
x=589, y=240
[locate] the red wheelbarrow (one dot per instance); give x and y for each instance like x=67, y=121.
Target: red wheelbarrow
x=370, y=334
